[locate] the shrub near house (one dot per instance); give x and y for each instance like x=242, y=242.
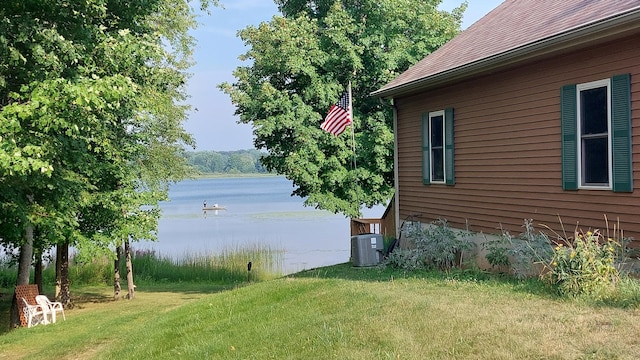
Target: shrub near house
x=585, y=265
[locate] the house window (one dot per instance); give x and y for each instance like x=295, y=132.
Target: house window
x=437, y=147
x=596, y=135
x=594, y=151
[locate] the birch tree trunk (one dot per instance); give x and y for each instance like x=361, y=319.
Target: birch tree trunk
x=130, y=285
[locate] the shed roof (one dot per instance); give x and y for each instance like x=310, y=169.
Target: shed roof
x=513, y=27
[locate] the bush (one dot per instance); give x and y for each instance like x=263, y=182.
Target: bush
x=585, y=265
x=436, y=246
x=98, y=271
x=530, y=251
x=589, y=265
x=442, y=246
x=498, y=249
x=406, y=259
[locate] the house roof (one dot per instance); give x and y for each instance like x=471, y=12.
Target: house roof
x=515, y=29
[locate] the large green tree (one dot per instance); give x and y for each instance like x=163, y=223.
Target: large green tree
x=299, y=63
x=91, y=110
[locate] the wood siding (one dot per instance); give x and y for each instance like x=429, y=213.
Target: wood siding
x=508, y=148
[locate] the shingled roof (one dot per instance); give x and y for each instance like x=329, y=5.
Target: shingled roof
x=515, y=29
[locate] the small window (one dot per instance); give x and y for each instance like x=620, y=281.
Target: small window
x=594, y=123
x=596, y=135
x=437, y=147
x=436, y=133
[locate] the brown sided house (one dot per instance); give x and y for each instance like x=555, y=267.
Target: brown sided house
x=533, y=112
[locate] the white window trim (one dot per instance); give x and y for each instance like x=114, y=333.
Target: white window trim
x=444, y=144
x=579, y=88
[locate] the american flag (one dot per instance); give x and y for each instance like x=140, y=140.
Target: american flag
x=339, y=116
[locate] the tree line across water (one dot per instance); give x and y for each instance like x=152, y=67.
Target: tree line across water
x=226, y=162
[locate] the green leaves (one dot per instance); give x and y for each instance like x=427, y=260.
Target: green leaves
x=297, y=67
x=91, y=112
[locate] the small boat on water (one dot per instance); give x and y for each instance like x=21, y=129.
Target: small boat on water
x=214, y=208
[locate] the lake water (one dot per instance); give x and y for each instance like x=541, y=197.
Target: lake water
x=259, y=210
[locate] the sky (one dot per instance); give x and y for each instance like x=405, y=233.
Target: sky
x=214, y=125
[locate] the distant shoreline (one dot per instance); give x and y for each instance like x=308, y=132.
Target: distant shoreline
x=225, y=175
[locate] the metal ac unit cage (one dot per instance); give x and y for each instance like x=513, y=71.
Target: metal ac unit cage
x=366, y=249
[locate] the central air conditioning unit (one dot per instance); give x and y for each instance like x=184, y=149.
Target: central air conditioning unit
x=366, y=249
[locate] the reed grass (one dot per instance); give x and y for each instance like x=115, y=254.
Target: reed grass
x=227, y=266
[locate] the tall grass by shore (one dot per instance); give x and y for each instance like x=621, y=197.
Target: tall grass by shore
x=228, y=266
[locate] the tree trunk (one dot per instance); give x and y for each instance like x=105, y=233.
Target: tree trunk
x=63, y=293
x=58, y=271
x=37, y=271
x=116, y=273
x=130, y=285
x=24, y=268
x=26, y=256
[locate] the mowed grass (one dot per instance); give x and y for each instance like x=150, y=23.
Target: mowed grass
x=337, y=312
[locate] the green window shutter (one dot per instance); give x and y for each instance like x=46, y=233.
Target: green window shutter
x=448, y=147
x=621, y=133
x=569, y=120
x=426, y=169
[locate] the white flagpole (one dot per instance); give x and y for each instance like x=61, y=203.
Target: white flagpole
x=353, y=136
x=353, y=143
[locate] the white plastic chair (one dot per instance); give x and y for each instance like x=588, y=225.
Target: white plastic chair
x=51, y=307
x=35, y=314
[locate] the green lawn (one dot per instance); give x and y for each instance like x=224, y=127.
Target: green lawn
x=338, y=312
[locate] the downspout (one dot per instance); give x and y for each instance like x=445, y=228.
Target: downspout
x=396, y=196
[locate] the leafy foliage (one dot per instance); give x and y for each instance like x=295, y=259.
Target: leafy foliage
x=302, y=61
x=407, y=259
x=91, y=110
x=588, y=265
x=436, y=245
x=585, y=266
x=441, y=245
x=498, y=249
x=529, y=250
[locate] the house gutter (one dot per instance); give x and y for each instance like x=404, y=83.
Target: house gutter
x=617, y=24
x=396, y=176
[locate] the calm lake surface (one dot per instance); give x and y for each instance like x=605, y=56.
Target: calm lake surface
x=259, y=210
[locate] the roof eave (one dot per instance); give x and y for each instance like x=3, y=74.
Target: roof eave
x=609, y=27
